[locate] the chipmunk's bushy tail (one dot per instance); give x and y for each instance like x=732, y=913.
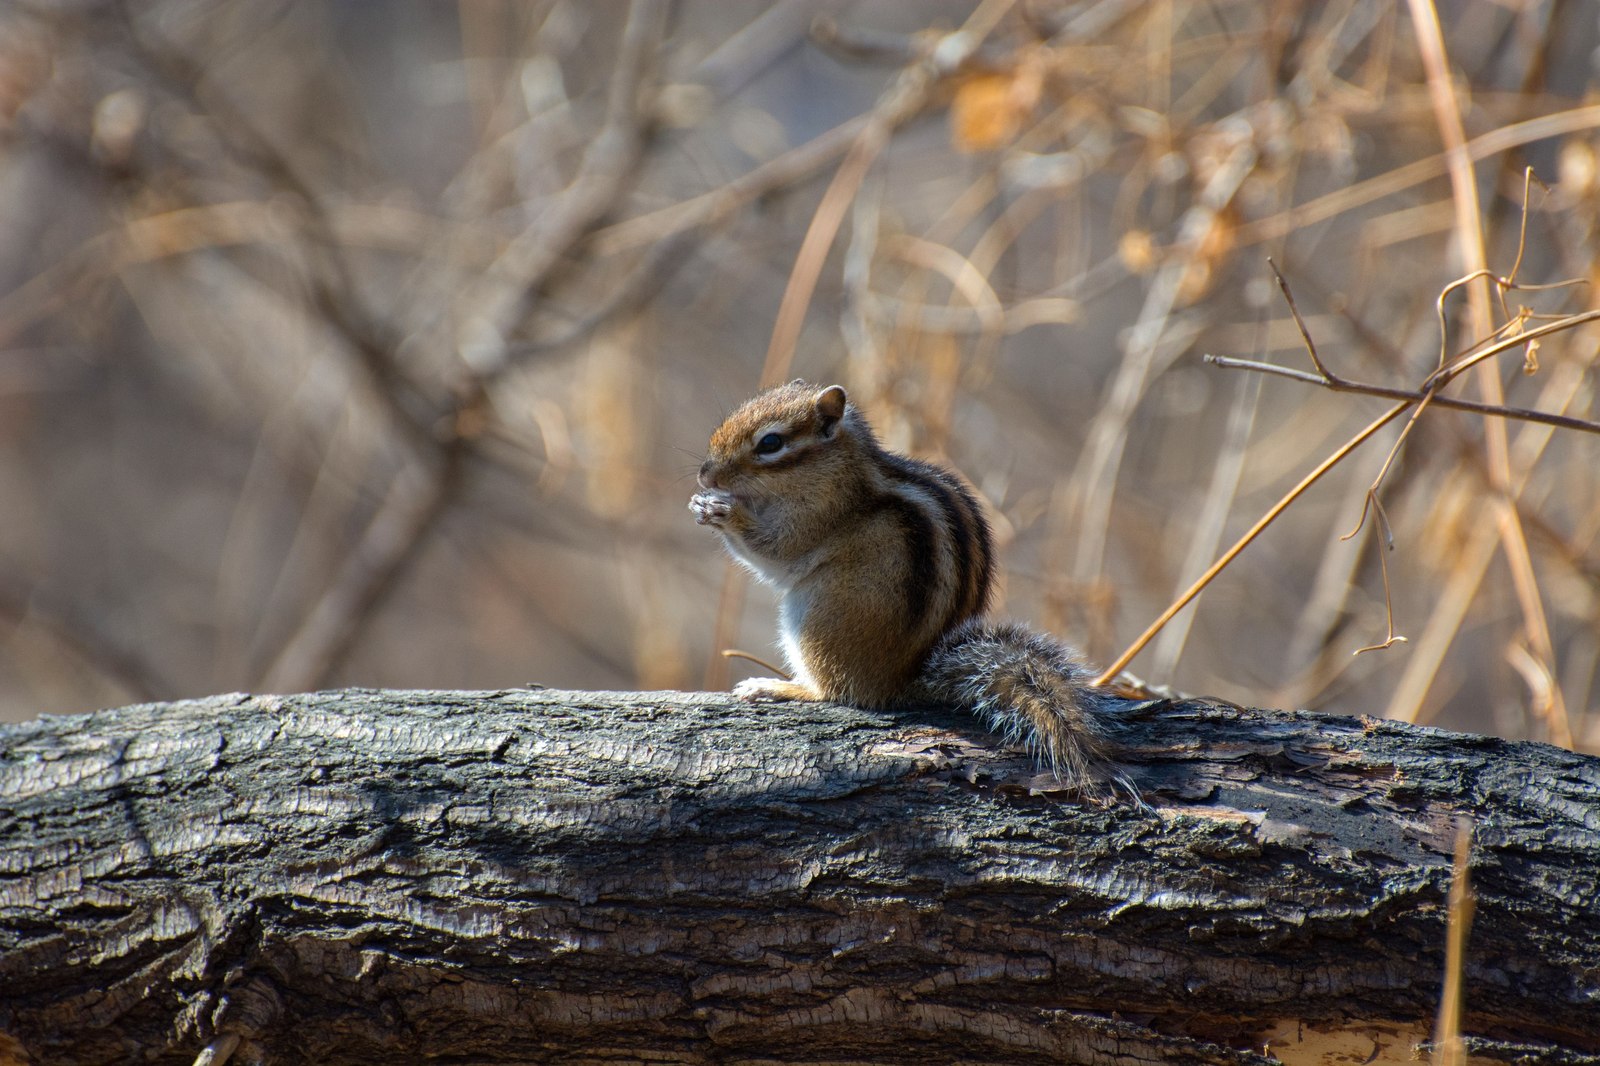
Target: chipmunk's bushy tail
x=1029, y=688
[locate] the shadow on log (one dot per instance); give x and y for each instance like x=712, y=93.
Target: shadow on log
x=541, y=876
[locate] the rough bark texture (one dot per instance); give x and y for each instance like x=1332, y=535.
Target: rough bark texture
x=541, y=876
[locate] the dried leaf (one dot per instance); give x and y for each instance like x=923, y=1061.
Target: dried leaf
x=989, y=109
x=1138, y=251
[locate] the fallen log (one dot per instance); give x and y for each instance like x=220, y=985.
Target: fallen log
x=543, y=876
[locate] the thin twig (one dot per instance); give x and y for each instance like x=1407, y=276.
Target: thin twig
x=1325, y=378
x=1391, y=638
x=1110, y=672
x=643, y=283
x=905, y=97
x=1521, y=414
x=710, y=208
x=1329, y=378
x=1469, y=236
x=1411, y=175
x=1470, y=562
x=1212, y=521
x=814, y=251
x=495, y=311
x=735, y=653
x=1422, y=398
x=1100, y=463
x=1447, y=1047
x=965, y=279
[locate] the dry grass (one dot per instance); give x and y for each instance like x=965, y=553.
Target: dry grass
x=379, y=347
x=1448, y=1048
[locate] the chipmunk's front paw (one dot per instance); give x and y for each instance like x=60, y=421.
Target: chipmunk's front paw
x=770, y=688
x=711, y=508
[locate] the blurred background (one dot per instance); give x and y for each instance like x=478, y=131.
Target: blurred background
x=377, y=344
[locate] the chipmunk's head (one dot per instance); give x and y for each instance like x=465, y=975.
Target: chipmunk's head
x=781, y=438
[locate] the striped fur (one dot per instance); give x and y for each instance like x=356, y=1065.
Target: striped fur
x=970, y=546
x=884, y=565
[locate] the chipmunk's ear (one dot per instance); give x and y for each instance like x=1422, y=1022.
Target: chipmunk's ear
x=830, y=408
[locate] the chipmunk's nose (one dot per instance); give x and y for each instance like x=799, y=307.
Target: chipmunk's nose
x=708, y=479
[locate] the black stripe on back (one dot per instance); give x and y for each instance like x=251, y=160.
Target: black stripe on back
x=983, y=569
x=974, y=533
x=921, y=543
x=962, y=517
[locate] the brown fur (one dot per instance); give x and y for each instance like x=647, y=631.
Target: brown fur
x=880, y=562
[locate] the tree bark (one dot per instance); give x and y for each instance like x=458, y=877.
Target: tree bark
x=540, y=876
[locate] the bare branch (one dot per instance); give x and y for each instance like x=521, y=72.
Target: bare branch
x=1386, y=392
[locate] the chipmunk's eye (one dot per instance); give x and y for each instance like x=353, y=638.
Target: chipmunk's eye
x=769, y=443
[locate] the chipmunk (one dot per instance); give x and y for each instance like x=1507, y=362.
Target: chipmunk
x=884, y=566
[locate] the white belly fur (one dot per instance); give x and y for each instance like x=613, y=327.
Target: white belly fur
x=791, y=613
